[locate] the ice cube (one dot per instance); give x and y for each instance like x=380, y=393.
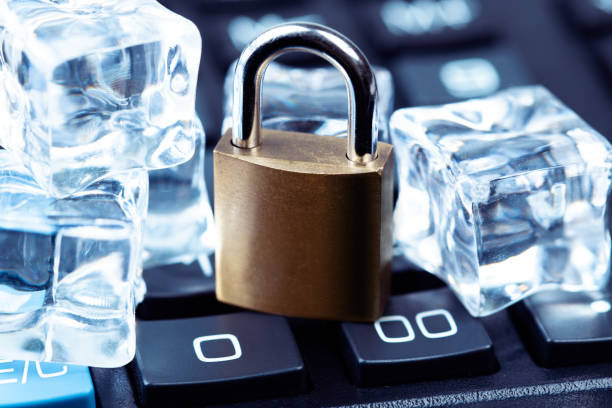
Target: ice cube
x=310, y=100
x=503, y=196
x=88, y=87
x=70, y=269
x=179, y=225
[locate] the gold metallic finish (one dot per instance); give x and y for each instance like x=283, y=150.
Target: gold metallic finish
x=302, y=230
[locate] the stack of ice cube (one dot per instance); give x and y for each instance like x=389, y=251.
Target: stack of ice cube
x=93, y=93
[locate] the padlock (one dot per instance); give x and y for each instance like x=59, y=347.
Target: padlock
x=304, y=223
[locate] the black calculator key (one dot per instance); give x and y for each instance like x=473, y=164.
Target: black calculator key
x=209, y=99
x=216, y=359
x=449, y=77
x=407, y=277
x=561, y=328
x=423, y=335
x=178, y=290
x=591, y=16
x=230, y=33
x=603, y=49
x=398, y=24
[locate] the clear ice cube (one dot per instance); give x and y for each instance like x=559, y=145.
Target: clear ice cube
x=93, y=86
x=310, y=100
x=179, y=225
x=70, y=269
x=503, y=196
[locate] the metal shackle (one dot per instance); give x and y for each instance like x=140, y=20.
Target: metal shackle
x=342, y=53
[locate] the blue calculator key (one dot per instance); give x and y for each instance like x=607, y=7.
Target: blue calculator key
x=30, y=384
x=423, y=335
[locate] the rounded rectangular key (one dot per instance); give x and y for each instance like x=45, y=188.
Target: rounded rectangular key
x=93, y=87
x=70, y=268
x=31, y=384
x=421, y=336
x=563, y=328
x=432, y=79
x=397, y=24
x=216, y=359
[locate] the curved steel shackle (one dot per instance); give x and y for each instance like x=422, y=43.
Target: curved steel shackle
x=326, y=43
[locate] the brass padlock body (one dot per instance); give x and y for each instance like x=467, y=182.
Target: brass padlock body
x=302, y=231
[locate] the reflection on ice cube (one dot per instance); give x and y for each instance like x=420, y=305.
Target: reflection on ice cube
x=179, y=225
x=92, y=87
x=70, y=269
x=601, y=306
